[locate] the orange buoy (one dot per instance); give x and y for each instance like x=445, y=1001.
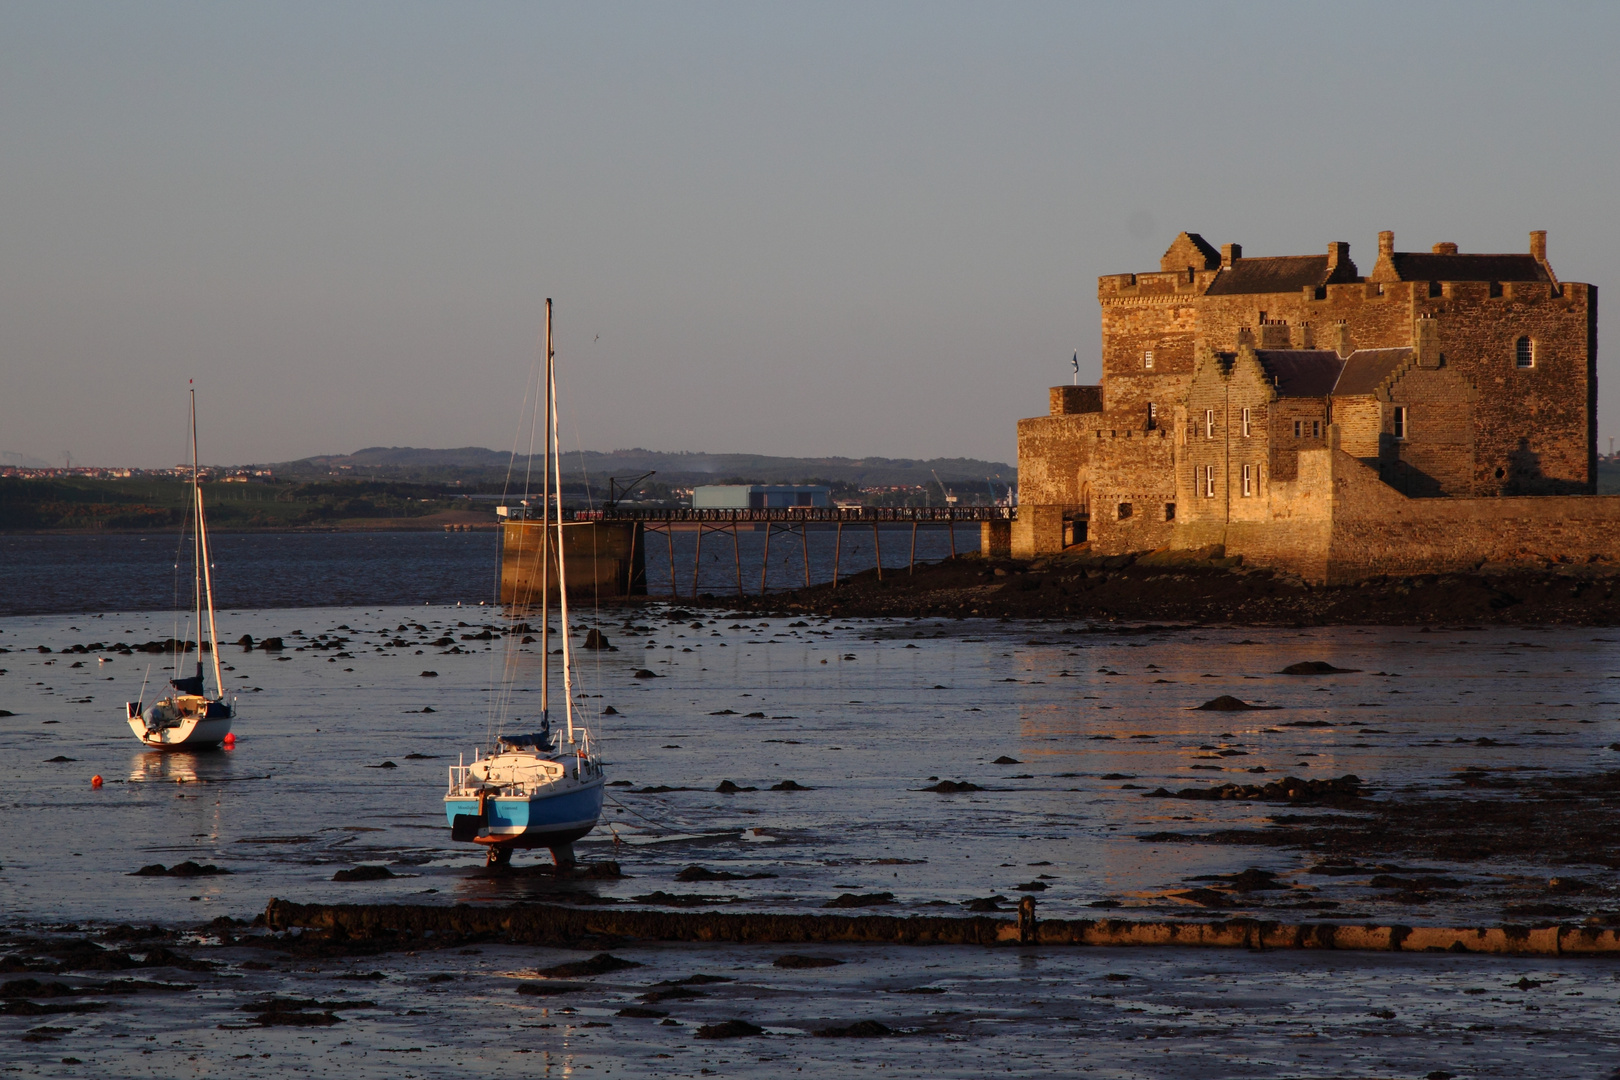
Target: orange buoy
x=230, y=740
x=95, y=781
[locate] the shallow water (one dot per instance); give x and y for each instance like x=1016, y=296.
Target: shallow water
x=857, y=714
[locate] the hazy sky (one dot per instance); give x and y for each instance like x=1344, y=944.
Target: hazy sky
x=871, y=228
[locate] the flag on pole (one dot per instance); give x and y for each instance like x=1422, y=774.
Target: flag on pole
x=1076, y=363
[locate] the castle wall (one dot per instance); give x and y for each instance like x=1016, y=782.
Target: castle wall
x=1134, y=470
x=1535, y=428
x=1437, y=456
x=1339, y=523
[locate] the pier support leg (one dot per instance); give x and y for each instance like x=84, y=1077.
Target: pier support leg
x=697, y=560
x=804, y=543
x=563, y=856
x=911, y=564
x=838, y=549
x=951, y=525
x=877, y=549
x=669, y=538
x=765, y=563
x=736, y=553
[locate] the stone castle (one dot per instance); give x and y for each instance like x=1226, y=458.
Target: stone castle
x=1435, y=414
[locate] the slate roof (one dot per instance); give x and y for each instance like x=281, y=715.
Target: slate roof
x=1284, y=273
x=1423, y=266
x=1366, y=369
x=1301, y=372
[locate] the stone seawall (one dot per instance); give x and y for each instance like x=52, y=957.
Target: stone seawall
x=1365, y=528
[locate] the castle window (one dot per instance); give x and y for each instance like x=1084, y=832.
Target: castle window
x=1147, y=359
x=1169, y=511
x=1209, y=423
x=1298, y=424
x=1400, y=421
x=1153, y=416
x=1124, y=511
x=1248, y=481
x=1245, y=423
x=1524, y=353
x=1209, y=481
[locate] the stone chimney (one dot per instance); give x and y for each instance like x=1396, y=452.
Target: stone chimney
x=1445, y=247
x=1426, y=341
x=1341, y=339
x=1230, y=253
x=1338, y=252
x=1538, y=245
x=1274, y=334
x=1386, y=244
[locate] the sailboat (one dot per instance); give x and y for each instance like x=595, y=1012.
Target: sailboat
x=188, y=716
x=530, y=790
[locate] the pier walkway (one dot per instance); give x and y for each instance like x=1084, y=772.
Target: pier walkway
x=790, y=520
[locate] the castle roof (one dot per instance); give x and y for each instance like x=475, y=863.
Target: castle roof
x=1366, y=369
x=1301, y=372
x=1426, y=266
x=1279, y=274
x=1321, y=372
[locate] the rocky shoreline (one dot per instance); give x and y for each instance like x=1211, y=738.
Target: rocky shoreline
x=1203, y=591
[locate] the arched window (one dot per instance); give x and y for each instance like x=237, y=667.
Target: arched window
x=1524, y=353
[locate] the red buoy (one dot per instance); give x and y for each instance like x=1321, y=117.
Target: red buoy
x=95, y=781
x=230, y=740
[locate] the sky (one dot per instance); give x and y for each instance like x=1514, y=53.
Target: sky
x=801, y=229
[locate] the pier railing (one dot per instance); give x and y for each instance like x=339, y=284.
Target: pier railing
x=793, y=515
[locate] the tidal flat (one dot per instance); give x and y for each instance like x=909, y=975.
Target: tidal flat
x=1074, y=761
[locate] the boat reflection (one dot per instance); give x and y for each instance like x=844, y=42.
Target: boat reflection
x=176, y=766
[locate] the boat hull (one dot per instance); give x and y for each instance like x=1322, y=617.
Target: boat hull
x=540, y=820
x=193, y=733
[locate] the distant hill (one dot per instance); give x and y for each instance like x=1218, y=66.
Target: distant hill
x=475, y=464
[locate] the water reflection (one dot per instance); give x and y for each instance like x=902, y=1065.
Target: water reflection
x=178, y=766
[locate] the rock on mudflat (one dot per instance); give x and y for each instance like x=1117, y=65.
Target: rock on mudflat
x=1228, y=703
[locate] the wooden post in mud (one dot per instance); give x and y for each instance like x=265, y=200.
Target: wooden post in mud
x=911, y=563
x=804, y=544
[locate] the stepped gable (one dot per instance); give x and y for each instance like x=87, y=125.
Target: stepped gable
x=1367, y=370
x=1189, y=252
x=1301, y=372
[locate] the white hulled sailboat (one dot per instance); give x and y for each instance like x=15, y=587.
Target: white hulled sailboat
x=189, y=716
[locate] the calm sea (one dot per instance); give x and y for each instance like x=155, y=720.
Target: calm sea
x=67, y=574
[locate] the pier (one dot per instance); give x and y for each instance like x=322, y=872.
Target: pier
x=610, y=551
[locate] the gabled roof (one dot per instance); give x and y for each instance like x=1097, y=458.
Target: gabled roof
x=1301, y=372
x=1366, y=369
x=1278, y=274
x=1424, y=266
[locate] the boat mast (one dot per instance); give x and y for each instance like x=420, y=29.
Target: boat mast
x=196, y=539
x=207, y=560
x=562, y=577
x=545, y=540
